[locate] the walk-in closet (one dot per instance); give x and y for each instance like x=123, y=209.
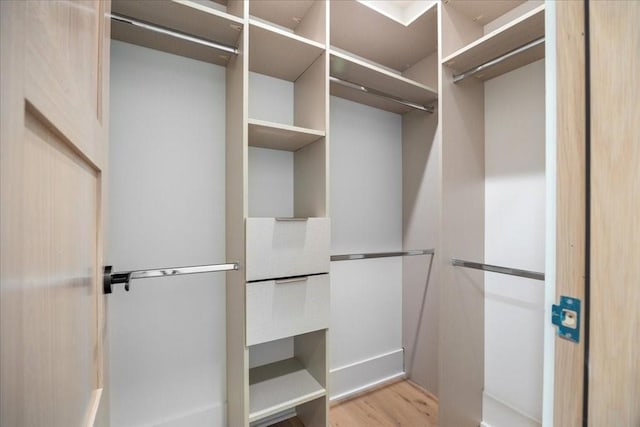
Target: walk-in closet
x=314, y=143
x=317, y=213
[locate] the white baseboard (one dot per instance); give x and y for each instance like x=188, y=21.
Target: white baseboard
x=497, y=413
x=362, y=375
x=214, y=415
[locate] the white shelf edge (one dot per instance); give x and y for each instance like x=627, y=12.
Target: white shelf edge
x=494, y=33
x=288, y=128
x=255, y=416
x=316, y=392
x=202, y=8
x=379, y=69
x=271, y=28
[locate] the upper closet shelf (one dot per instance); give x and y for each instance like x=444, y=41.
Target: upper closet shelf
x=280, y=137
x=526, y=31
x=359, y=72
x=187, y=18
x=279, y=53
x=383, y=38
x=280, y=386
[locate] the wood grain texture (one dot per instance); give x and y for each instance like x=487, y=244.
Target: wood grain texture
x=400, y=404
x=54, y=140
x=614, y=350
x=570, y=222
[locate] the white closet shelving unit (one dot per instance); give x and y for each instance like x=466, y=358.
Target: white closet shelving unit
x=287, y=255
x=483, y=40
x=404, y=65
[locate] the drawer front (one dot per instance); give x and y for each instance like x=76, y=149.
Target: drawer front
x=286, y=248
x=280, y=309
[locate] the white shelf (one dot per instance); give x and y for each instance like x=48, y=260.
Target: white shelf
x=280, y=386
x=526, y=28
x=369, y=34
x=280, y=137
x=183, y=16
x=279, y=53
x=355, y=70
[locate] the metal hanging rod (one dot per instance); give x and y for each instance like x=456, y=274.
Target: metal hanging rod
x=349, y=257
x=499, y=59
x=346, y=83
x=173, y=33
x=124, y=277
x=497, y=269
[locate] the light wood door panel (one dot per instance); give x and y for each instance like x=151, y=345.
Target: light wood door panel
x=52, y=165
x=614, y=349
x=570, y=199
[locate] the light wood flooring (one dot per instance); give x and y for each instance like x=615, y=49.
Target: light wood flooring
x=402, y=403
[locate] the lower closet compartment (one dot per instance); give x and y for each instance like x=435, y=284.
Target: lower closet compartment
x=494, y=213
x=384, y=181
x=167, y=178
x=514, y=236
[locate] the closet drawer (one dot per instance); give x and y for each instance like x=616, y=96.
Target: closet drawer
x=277, y=248
x=283, y=308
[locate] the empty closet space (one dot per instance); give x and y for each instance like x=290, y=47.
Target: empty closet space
x=384, y=164
x=494, y=197
x=166, y=188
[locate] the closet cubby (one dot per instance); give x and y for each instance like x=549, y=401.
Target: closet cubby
x=302, y=18
x=212, y=22
x=489, y=30
x=397, y=57
x=296, y=383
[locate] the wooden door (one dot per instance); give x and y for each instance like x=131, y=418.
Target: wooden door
x=614, y=345
x=598, y=255
x=54, y=80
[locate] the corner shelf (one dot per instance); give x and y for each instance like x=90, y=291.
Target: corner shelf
x=355, y=70
x=279, y=53
x=522, y=30
x=381, y=39
x=183, y=16
x=280, y=386
x=277, y=136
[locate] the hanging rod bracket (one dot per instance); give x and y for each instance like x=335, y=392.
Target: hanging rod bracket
x=111, y=278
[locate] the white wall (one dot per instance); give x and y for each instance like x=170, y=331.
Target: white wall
x=514, y=237
x=366, y=216
x=166, y=208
